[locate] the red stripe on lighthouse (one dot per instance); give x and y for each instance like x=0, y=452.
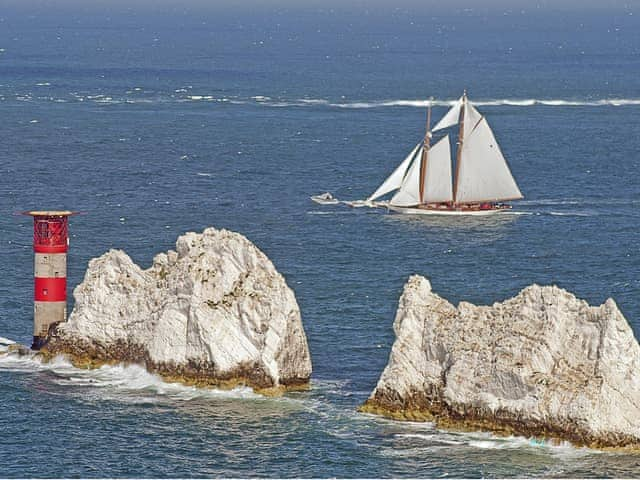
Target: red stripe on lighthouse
x=50, y=289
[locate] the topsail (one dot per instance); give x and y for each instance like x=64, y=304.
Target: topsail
x=451, y=117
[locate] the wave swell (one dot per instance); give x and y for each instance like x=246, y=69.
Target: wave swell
x=513, y=102
x=138, y=96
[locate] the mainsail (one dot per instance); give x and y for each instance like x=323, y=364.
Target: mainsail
x=483, y=174
x=437, y=182
x=394, y=180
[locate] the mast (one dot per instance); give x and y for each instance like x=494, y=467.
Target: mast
x=425, y=150
x=459, y=151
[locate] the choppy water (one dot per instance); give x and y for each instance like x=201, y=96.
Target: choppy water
x=155, y=123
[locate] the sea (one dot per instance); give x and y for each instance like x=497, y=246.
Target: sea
x=157, y=118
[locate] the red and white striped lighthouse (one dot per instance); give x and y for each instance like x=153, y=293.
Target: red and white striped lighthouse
x=50, y=245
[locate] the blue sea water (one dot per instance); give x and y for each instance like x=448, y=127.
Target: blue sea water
x=156, y=120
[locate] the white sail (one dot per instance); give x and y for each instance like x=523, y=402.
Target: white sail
x=409, y=192
x=437, y=182
x=484, y=174
x=451, y=117
x=472, y=118
x=395, y=179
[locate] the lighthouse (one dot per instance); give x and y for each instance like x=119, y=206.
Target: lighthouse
x=50, y=246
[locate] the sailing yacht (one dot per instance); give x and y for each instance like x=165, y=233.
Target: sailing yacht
x=425, y=184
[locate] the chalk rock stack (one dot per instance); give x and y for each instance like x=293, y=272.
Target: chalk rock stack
x=542, y=364
x=213, y=312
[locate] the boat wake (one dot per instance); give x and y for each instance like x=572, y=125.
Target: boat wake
x=577, y=207
x=571, y=214
x=318, y=212
x=517, y=213
x=328, y=199
x=542, y=207
x=551, y=213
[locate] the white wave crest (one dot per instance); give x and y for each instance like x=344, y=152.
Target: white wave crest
x=5, y=343
x=314, y=101
x=187, y=95
x=417, y=103
x=394, y=103
x=434, y=437
x=429, y=437
x=115, y=379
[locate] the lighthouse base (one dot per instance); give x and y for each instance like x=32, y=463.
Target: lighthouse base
x=39, y=342
x=45, y=316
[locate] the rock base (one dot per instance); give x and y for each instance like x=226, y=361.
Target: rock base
x=499, y=423
x=212, y=312
x=199, y=374
x=542, y=364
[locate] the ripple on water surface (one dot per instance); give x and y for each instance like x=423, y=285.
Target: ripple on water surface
x=253, y=426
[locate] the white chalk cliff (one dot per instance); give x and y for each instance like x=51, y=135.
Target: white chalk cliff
x=214, y=311
x=543, y=363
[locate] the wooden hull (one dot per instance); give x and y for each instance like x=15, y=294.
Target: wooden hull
x=451, y=211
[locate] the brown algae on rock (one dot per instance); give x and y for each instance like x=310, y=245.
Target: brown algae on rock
x=215, y=312
x=542, y=364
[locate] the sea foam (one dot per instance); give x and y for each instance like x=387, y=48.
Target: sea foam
x=513, y=102
x=186, y=95
x=119, y=378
